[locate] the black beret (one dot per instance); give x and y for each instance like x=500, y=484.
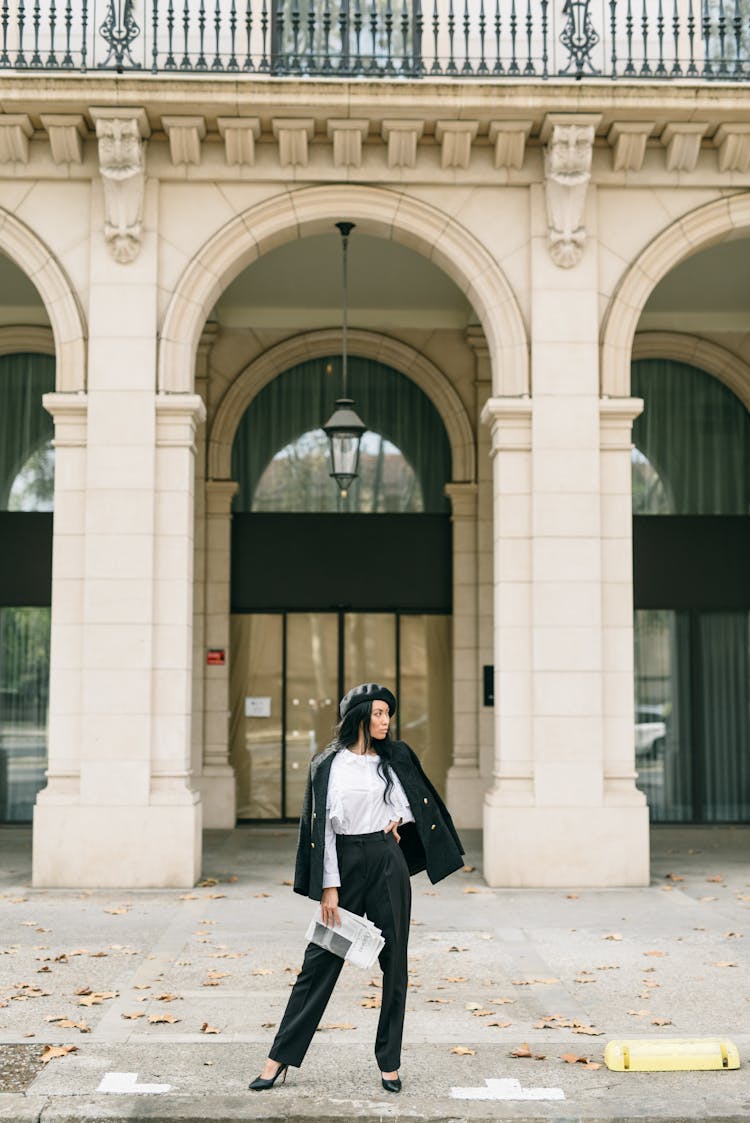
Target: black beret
x=367, y=692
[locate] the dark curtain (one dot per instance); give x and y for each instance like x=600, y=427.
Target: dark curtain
x=692, y=668
x=25, y=429
x=302, y=399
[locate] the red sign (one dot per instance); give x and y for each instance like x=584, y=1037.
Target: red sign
x=216, y=657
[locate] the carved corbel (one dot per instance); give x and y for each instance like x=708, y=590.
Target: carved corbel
x=567, y=171
x=120, y=133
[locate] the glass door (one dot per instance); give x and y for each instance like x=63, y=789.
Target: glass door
x=288, y=671
x=692, y=715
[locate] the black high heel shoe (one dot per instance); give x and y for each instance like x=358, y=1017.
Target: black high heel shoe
x=260, y=1085
x=391, y=1085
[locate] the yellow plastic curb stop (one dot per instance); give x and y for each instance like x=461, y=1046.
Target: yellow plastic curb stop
x=680, y=1054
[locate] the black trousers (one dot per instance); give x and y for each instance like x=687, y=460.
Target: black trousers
x=374, y=883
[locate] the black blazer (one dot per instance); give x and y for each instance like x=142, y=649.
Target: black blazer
x=429, y=843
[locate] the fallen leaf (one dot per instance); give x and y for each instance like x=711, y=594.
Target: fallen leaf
x=503, y=1001
x=219, y=896
x=732, y=935
x=454, y=948
x=207, y=882
x=589, y=1031
x=468, y=869
x=372, y=1002
x=262, y=971
x=500, y=1025
x=655, y=953
x=370, y=982
x=167, y=998
x=716, y=878
x=287, y=883
x=525, y=1052
x=639, y=1013
x=206, y=1028
x=442, y=1000
x=116, y=912
x=335, y=1025
x=729, y=963
x=473, y=889
x=571, y=897
x=455, y=978
x=219, y=975
x=463, y=1051
x=159, y=1019
x=661, y=1021
x=188, y=897
x=612, y=936
x=52, y=1051
x=132, y=1017
x=482, y=1013
x=268, y=1025
x=97, y=999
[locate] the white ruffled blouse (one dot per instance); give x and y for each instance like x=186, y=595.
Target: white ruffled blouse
x=356, y=804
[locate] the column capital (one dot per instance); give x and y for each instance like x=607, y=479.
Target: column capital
x=509, y=420
x=70, y=414
x=177, y=417
x=219, y=495
x=463, y=499
x=616, y=416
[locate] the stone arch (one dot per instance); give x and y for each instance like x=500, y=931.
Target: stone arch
x=709, y=224
x=378, y=211
x=31, y=255
x=368, y=345
x=715, y=360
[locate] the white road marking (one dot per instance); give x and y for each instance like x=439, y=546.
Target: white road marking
x=126, y=1083
x=507, y=1090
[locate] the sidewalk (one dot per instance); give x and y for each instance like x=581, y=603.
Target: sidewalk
x=487, y=967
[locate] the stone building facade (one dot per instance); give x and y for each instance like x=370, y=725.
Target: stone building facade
x=177, y=232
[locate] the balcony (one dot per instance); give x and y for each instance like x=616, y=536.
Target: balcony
x=492, y=40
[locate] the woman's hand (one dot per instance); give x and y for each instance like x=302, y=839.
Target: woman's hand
x=329, y=907
x=393, y=826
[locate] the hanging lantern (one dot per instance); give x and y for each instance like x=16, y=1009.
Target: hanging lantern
x=344, y=428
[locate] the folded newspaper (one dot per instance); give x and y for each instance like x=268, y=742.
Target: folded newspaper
x=357, y=940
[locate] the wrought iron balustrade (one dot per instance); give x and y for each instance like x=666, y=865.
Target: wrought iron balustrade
x=658, y=40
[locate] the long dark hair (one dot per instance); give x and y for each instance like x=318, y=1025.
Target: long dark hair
x=347, y=734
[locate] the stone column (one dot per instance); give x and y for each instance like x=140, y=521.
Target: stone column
x=134, y=820
x=616, y=419
x=512, y=791
x=199, y=564
x=485, y=576
x=171, y=789
x=66, y=648
x=575, y=829
x=463, y=779
x=217, y=784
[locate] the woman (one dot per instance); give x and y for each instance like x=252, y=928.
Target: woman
x=360, y=790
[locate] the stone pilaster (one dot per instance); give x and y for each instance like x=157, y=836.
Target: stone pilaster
x=616, y=422
x=509, y=420
x=69, y=412
x=217, y=783
x=463, y=781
